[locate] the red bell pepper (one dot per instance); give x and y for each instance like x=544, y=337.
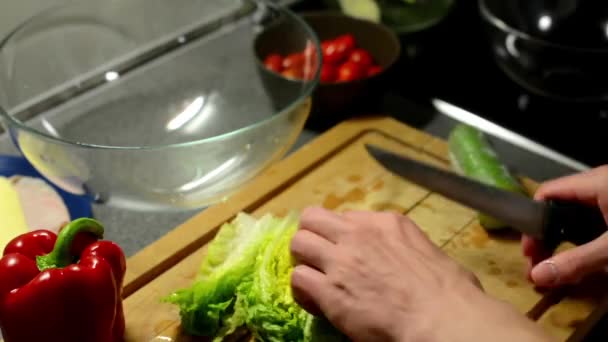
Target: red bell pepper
x=64, y=287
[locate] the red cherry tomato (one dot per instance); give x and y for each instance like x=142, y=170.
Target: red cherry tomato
x=293, y=73
x=345, y=44
x=309, y=69
x=274, y=62
x=361, y=57
x=330, y=53
x=374, y=70
x=350, y=71
x=310, y=50
x=294, y=60
x=311, y=63
x=329, y=73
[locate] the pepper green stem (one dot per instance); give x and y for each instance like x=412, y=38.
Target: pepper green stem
x=61, y=255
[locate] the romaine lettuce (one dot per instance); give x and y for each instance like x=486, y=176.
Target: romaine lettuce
x=244, y=282
x=272, y=314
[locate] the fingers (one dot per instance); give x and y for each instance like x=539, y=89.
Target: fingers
x=589, y=187
x=356, y=215
x=534, y=249
x=386, y=218
x=309, y=288
x=408, y=230
x=529, y=246
x=583, y=187
x=535, y=253
x=323, y=223
x=310, y=249
x=572, y=265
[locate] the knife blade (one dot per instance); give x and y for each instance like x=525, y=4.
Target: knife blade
x=551, y=221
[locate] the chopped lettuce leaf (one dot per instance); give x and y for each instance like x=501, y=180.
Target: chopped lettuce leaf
x=272, y=314
x=244, y=283
x=207, y=306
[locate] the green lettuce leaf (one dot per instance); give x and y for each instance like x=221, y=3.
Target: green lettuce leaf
x=244, y=283
x=272, y=314
x=207, y=307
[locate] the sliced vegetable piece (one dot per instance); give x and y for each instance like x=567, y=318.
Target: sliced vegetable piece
x=472, y=156
x=362, y=9
x=274, y=62
x=207, y=307
x=374, y=70
x=272, y=314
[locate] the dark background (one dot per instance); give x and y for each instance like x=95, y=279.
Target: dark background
x=452, y=61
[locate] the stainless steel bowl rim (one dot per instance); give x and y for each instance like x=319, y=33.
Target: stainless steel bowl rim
x=307, y=92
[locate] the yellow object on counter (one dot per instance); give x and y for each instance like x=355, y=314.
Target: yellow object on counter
x=12, y=219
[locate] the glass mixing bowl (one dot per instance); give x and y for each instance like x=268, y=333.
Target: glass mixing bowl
x=151, y=104
x=554, y=48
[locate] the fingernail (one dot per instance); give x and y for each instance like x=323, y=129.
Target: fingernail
x=546, y=273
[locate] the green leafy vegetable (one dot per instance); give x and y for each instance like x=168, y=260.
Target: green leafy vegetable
x=473, y=156
x=272, y=312
x=412, y=15
x=244, y=283
x=229, y=261
x=363, y=9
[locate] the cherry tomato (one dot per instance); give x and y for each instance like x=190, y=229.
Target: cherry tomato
x=293, y=73
x=329, y=73
x=345, y=44
x=310, y=61
x=310, y=51
x=374, y=70
x=350, y=71
x=294, y=60
x=309, y=69
x=274, y=62
x=330, y=53
x=361, y=57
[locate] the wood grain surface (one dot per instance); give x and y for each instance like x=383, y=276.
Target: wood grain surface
x=336, y=172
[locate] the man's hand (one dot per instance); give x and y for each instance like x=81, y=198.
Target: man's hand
x=589, y=187
x=377, y=277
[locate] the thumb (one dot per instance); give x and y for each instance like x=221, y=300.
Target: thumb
x=572, y=265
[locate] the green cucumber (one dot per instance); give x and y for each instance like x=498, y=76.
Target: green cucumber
x=362, y=9
x=472, y=156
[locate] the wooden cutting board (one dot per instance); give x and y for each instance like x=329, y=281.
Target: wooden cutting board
x=335, y=171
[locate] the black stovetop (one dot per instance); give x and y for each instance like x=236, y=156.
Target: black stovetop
x=453, y=62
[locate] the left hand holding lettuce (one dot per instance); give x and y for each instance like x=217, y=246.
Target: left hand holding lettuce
x=64, y=287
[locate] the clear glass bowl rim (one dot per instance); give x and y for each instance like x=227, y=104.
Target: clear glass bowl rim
x=311, y=85
x=487, y=14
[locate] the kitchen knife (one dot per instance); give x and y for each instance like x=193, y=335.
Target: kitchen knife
x=551, y=221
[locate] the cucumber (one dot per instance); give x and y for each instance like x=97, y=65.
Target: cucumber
x=361, y=9
x=472, y=156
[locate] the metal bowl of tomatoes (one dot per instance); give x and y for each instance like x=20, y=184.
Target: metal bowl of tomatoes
x=356, y=57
